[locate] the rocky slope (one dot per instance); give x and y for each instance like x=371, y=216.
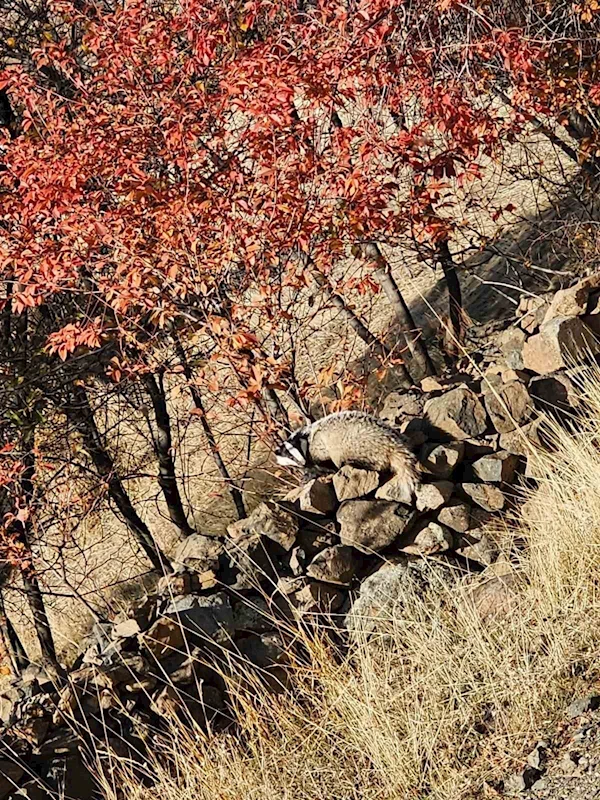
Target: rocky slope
x=335, y=549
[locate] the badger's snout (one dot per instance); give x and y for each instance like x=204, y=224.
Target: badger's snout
x=289, y=454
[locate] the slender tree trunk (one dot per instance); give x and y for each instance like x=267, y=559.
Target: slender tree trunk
x=234, y=490
x=591, y=167
x=40, y=618
x=446, y=261
x=414, y=340
x=276, y=408
x=83, y=418
x=24, y=529
x=352, y=319
x=11, y=644
x=357, y=325
x=30, y=580
x=163, y=444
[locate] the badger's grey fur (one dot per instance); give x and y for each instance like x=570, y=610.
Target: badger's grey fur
x=351, y=437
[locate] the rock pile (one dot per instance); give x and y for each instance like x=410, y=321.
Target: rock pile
x=292, y=560
x=329, y=547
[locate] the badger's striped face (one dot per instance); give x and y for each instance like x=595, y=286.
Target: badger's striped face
x=293, y=452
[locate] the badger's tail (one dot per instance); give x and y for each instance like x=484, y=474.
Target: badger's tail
x=405, y=468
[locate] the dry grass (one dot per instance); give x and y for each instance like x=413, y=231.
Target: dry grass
x=445, y=705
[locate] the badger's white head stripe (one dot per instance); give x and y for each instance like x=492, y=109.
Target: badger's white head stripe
x=293, y=452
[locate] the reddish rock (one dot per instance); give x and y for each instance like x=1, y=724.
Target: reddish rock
x=560, y=342
x=487, y=497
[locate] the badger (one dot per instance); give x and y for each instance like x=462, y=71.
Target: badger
x=350, y=437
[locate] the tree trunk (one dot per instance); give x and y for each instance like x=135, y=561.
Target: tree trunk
x=414, y=340
x=357, y=325
x=163, y=444
x=11, y=644
x=32, y=586
x=40, y=618
x=83, y=419
x=276, y=408
x=23, y=529
x=444, y=257
x=591, y=167
x=234, y=490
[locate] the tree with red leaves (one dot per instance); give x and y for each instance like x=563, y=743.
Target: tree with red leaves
x=175, y=173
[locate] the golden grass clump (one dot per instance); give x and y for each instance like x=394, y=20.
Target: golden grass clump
x=446, y=704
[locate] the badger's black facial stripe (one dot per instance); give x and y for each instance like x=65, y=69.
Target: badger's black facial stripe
x=294, y=450
x=299, y=443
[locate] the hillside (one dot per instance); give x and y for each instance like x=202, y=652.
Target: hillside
x=299, y=393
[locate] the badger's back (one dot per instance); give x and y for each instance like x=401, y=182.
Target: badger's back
x=353, y=437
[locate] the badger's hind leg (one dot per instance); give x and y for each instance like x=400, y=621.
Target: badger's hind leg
x=405, y=471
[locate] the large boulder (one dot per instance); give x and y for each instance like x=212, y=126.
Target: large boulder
x=509, y=405
x=203, y=619
x=399, y=586
x=493, y=595
x=351, y=482
x=560, y=343
x=199, y=553
x=336, y=564
x=270, y=520
x=372, y=525
x=573, y=302
x=457, y=413
x=441, y=459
